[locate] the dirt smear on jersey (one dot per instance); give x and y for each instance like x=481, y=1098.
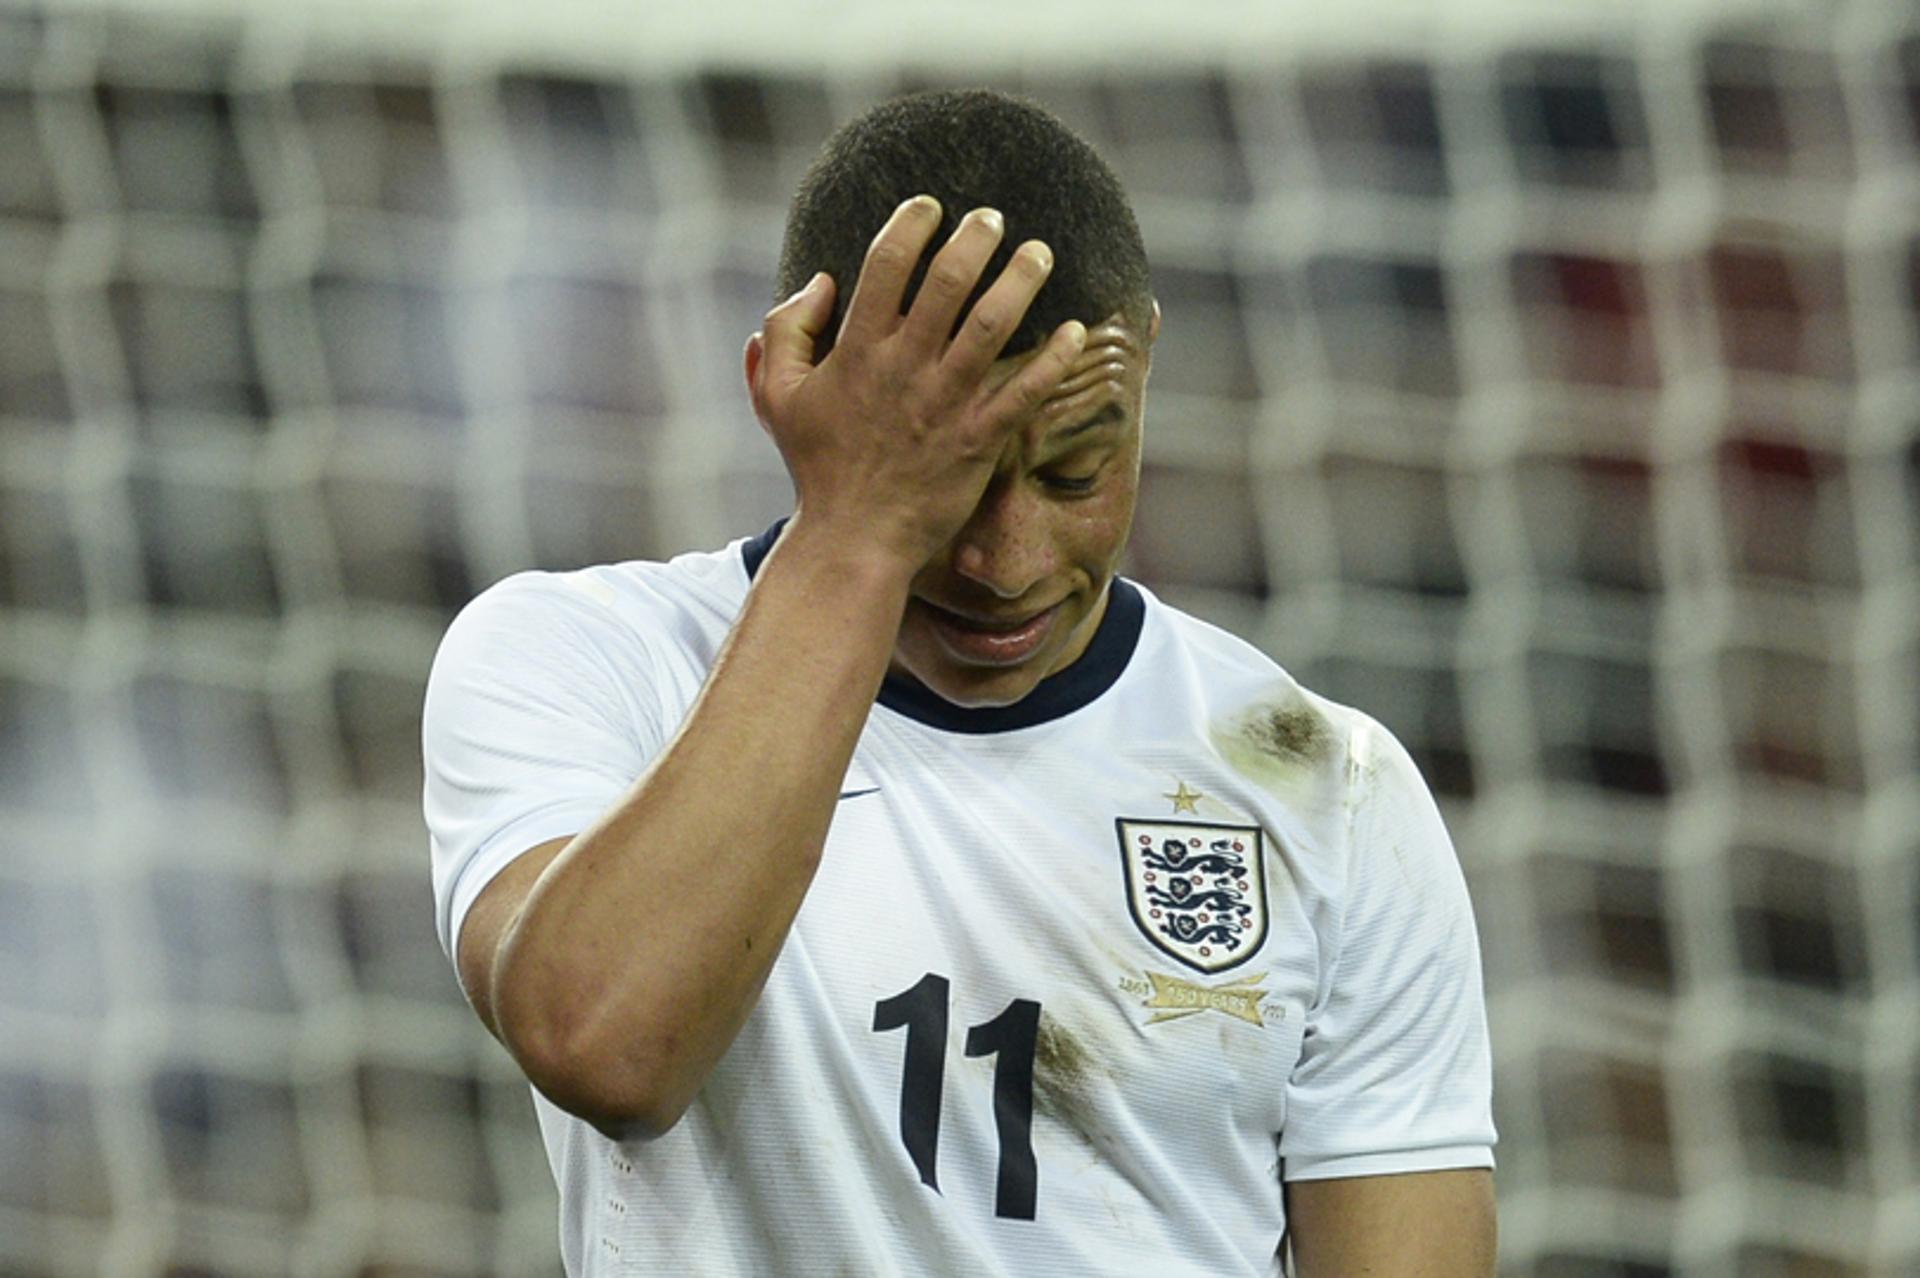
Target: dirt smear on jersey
x=1069, y=1084
x=1291, y=734
x=1066, y=1081
x=1282, y=741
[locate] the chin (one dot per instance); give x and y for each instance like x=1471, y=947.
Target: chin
x=986, y=689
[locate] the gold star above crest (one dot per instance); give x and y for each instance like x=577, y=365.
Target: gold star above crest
x=1185, y=800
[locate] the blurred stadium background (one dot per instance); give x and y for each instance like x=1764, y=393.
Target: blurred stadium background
x=1543, y=381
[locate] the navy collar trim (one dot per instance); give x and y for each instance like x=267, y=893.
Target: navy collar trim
x=1056, y=696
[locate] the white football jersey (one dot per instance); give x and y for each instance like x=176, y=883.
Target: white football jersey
x=1080, y=982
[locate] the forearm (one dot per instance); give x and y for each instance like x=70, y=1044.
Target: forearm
x=1413, y=1225
x=642, y=947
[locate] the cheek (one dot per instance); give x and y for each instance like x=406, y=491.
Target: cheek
x=1096, y=529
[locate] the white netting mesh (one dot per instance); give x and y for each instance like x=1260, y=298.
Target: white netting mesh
x=1544, y=383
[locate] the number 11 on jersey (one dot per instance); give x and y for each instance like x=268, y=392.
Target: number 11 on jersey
x=1010, y=1039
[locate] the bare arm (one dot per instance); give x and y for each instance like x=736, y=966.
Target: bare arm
x=1423, y=1225
x=619, y=966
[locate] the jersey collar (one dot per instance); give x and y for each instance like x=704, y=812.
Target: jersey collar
x=1060, y=693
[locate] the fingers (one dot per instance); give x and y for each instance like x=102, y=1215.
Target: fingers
x=999, y=312
x=782, y=355
x=874, y=310
x=951, y=277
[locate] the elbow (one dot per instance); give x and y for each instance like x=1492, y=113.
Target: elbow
x=624, y=1094
x=619, y=1099
x=624, y=1118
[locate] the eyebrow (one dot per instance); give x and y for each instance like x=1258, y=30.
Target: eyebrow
x=1110, y=415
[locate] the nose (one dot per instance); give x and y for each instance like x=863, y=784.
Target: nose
x=1004, y=546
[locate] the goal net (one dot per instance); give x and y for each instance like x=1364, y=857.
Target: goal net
x=1544, y=382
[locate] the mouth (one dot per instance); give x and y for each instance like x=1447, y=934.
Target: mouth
x=978, y=640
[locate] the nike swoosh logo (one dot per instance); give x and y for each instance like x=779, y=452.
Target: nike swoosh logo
x=854, y=794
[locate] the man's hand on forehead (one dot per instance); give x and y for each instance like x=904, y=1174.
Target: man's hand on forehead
x=892, y=437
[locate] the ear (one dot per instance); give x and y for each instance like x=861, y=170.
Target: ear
x=751, y=357
x=1153, y=334
x=750, y=361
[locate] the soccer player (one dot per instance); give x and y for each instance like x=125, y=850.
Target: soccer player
x=900, y=891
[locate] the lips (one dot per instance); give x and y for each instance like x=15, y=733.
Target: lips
x=990, y=641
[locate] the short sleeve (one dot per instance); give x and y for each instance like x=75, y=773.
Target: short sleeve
x=540, y=713
x=1395, y=1071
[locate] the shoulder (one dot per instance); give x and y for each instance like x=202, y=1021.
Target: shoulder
x=1218, y=648
x=603, y=594
x=619, y=641
x=605, y=611
x=1267, y=721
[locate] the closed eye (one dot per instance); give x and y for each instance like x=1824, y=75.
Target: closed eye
x=1071, y=483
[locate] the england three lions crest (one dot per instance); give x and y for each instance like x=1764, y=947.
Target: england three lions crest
x=1199, y=892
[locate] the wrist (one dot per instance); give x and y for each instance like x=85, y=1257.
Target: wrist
x=835, y=599
x=854, y=556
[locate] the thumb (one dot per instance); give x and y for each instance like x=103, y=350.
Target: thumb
x=792, y=328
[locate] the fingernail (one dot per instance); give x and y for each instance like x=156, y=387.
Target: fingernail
x=924, y=204
x=1043, y=255
x=991, y=219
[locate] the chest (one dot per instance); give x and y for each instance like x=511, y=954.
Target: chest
x=1129, y=929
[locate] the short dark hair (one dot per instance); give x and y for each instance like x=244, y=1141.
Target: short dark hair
x=973, y=148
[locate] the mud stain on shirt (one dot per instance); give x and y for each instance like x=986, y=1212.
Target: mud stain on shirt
x=1064, y=1081
x=1282, y=742
x=1073, y=1088
x=1287, y=734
